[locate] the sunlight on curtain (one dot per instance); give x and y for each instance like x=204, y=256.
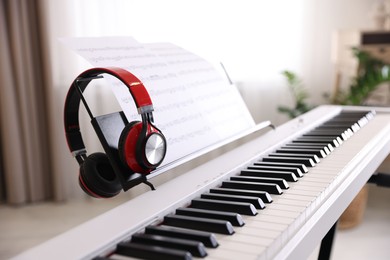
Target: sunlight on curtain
x=24, y=125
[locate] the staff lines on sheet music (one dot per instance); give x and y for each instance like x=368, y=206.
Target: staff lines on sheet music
x=227, y=119
x=215, y=109
x=155, y=91
x=175, y=106
x=117, y=58
x=185, y=103
x=155, y=77
x=204, y=83
x=189, y=135
x=147, y=66
x=180, y=121
x=232, y=111
x=174, y=73
x=195, y=71
x=185, y=61
x=168, y=49
x=110, y=48
x=165, y=47
x=186, y=87
x=211, y=94
x=171, y=90
x=174, y=54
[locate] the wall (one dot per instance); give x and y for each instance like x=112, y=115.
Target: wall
x=323, y=20
x=312, y=43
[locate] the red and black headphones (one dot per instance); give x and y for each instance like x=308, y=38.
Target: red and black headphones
x=141, y=147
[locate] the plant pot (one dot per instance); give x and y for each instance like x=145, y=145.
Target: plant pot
x=353, y=215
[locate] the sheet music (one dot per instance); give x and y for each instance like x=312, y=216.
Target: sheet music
x=194, y=104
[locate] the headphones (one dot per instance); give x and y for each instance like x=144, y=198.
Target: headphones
x=141, y=147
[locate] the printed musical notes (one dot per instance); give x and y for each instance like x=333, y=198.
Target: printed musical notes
x=194, y=104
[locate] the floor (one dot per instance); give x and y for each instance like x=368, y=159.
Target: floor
x=370, y=239
x=24, y=227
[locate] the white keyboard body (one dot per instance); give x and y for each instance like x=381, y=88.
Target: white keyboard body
x=281, y=231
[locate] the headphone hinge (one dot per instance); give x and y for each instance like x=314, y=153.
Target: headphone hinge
x=145, y=109
x=79, y=152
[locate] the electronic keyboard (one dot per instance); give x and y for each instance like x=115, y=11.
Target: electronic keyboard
x=273, y=197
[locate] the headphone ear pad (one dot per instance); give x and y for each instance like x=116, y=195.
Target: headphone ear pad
x=97, y=177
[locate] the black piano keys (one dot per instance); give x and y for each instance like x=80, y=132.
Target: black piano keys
x=234, y=218
x=190, y=231
x=244, y=208
x=299, y=166
x=199, y=223
x=306, y=161
x=145, y=251
x=207, y=238
x=295, y=170
x=319, y=152
x=247, y=176
x=257, y=202
x=196, y=248
x=263, y=195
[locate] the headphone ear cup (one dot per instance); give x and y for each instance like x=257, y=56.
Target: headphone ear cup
x=97, y=177
x=127, y=147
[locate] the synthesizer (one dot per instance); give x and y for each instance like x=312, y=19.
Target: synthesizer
x=273, y=197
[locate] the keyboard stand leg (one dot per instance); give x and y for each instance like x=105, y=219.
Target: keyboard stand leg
x=380, y=179
x=326, y=244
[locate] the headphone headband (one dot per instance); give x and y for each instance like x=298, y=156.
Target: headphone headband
x=72, y=102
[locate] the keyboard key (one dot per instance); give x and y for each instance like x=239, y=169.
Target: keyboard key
x=151, y=252
x=319, y=152
x=194, y=247
x=207, y=238
x=230, y=206
x=234, y=218
x=257, y=202
x=268, y=187
x=288, y=176
x=313, y=140
x=294, y=170
x=306, y=161
x=323, y=148
x=328, y=145
x=300, y=166
x=263, y=195
x=293, y=155
x=204, y=224
x=250, y=178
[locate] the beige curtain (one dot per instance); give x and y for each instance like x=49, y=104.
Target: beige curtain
x=35, y=73
x=25, y=148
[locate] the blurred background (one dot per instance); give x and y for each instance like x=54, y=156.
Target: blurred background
x=255, y=40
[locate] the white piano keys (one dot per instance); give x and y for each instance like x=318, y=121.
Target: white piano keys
x=248, y=242
x=240, y=238
x=278, y=205
x=228, y=254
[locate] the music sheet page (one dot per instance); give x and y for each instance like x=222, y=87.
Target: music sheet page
x=195, y=106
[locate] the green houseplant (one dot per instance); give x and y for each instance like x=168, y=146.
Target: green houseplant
x=299, y=94
x=371, y=73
